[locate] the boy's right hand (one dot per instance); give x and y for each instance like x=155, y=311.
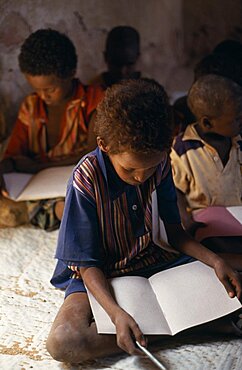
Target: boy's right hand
x=128, y=331
x=229, y=278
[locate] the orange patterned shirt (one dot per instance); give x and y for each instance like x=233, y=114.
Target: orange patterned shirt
x=29, y=136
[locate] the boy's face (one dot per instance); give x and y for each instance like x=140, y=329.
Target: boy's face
x=136, y=168
x=51, y=89
x=122, y=63
x=229, y=124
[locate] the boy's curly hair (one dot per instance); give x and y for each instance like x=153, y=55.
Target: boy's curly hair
x=47, y=52
x=135, y=116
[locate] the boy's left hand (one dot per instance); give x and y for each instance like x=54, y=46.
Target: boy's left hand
x=229, y=278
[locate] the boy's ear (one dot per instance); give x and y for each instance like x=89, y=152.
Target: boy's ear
x=101, y=144
x=206, y=122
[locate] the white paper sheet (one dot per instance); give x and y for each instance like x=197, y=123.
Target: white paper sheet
x=46, y=184
x=182, y=297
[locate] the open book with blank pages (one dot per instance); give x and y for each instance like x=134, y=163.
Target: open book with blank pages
x=46, y=184
x=169, y=301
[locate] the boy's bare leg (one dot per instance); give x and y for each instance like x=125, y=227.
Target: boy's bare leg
x=73, y=337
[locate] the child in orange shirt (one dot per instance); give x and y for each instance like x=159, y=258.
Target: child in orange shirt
x=53, y=124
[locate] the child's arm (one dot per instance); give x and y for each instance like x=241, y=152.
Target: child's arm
x=186, y=217
x=127, y=330
x=180, y=240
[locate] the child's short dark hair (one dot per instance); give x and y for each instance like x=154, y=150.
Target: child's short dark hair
x=121, y=37
x=231, y=48
x=47, y=52
x=134, y=115
x=216, y=64
x=210, y=94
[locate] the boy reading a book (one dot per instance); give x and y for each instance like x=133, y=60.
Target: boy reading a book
x=106, y=229
x=52, y=128
x=206, y=158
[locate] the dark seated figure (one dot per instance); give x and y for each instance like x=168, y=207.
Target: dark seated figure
x=121, y=54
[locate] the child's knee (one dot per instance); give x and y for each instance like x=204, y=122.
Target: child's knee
x=67, y=345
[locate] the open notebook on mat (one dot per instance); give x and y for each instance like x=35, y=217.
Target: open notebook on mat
x=169, y=301
x=46, y=184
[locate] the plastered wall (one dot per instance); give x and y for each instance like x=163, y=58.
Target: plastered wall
x=174, y=35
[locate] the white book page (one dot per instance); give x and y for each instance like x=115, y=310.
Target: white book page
x=236, y=212
x=46, y=184
x=190, y=295
x=134, y=295
x=15, y=182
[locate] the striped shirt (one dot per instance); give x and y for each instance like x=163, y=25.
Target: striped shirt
x=107, y=223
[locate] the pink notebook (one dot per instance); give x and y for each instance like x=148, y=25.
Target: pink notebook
x=221, y=221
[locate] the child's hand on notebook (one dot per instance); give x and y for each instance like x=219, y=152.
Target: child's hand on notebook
x=128, y=331
x=229, y=278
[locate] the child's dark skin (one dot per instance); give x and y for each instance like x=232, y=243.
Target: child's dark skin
x=125, y=68
x=73, y=337
x=121, y=55
x=217, y=132
x=134, y=136
x=55, y=92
